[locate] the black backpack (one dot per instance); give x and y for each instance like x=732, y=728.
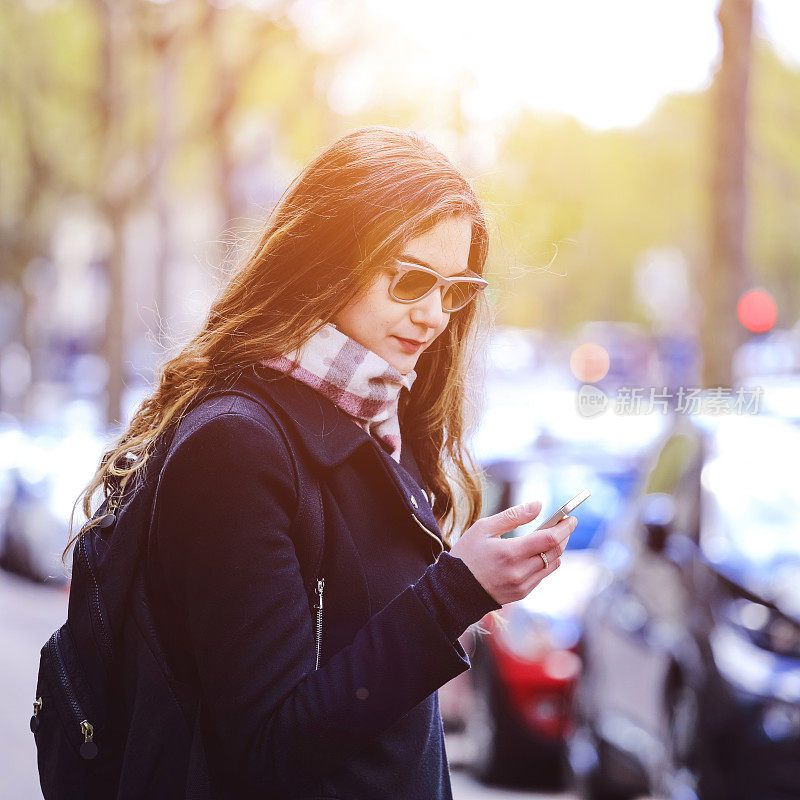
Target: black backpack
x=110, y=720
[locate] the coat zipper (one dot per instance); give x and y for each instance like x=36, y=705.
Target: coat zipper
x=37, y=707
x=318, y=608
x=320, y=588
x=88, y=749
x=318, y=591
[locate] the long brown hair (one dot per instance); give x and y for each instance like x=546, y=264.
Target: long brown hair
x=351, y=209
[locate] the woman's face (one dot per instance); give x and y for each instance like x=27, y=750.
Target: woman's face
x=378, y=322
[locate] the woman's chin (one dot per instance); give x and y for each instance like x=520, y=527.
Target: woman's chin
x=403, y=365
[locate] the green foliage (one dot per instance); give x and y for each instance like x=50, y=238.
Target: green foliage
x=573, y=208
x=606, y=197
x=64, y=135
x=774, y=180
x=603, y=198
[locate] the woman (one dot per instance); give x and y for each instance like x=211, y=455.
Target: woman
x=353, y=320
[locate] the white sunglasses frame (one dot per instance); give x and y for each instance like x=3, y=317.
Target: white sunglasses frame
x=405, y=266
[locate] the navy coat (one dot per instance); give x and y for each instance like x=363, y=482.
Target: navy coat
x=235, y=614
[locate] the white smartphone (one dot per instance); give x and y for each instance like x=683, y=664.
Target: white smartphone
x=565, y=510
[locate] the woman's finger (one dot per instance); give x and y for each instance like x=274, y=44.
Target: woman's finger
x=539, y=574
x=555, y=553
x=543, y=541
x=510, y=518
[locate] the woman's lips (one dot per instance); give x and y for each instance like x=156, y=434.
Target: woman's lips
x=408, y=345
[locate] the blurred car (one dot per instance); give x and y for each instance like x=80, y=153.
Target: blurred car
x=691, y=644
x=777, y=395
x=679, y=356
x=529, y=353
x=775, y=352
x=633, y=354
x=523, y=674
x=10, y=438
x=44, y=469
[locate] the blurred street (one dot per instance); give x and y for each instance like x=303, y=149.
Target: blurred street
x=29, y=613
x=465, y=788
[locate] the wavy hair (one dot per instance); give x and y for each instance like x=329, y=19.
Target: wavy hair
x=349, y=211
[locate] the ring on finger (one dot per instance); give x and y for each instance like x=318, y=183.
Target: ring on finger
x=544, y=559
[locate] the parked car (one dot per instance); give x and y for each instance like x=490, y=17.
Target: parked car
x=633, y=354
x=691, y=644
x=10, y=439
x=772, y=353
x=523, y=674
x=777, y=395
x=43, y=475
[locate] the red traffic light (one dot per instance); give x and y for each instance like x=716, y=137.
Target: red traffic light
x=757, y=310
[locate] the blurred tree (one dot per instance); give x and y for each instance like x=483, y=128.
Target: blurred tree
x=231, y=66
x=604, y=198
x=725, y=276
x=137, y=105
x=37, y=166
x=774, y=179
x=159, y=129
x=592, y=202
x=126, y=178
x=164, y=30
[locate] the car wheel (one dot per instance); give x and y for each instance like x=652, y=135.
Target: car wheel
x=480, y=731
x=689, y=773
x=489, y=758
x=498, y=751
x=592, y=776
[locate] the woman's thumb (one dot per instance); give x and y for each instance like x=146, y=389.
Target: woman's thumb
x=511, y=518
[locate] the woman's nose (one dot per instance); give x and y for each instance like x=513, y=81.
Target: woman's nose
x=429, y=310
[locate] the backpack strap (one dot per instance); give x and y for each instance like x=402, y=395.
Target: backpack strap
x=309, y=516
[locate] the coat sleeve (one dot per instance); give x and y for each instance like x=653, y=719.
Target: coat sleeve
x=226, y=501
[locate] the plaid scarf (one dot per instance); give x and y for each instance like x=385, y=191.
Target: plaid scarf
x=359, y=381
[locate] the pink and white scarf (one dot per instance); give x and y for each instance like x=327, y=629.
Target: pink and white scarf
x=359, y=381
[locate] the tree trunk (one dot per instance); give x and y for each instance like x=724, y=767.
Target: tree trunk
x=726, y=271
x=109, y=102
x=164, y=145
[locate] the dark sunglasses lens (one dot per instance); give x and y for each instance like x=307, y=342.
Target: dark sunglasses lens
x=459, y=294
x=413, y=285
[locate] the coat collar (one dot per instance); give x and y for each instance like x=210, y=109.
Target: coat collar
x=326, y=432
x=330, y=437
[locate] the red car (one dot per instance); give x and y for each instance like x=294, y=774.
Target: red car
x=515, y=703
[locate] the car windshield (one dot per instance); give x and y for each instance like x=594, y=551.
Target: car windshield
x=750, y=503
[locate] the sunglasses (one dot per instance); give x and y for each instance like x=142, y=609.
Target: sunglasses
x=412, y=282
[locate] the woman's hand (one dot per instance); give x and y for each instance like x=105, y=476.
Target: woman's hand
x=509, y=569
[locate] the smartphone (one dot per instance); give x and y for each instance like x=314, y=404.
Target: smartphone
x=565, y=510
